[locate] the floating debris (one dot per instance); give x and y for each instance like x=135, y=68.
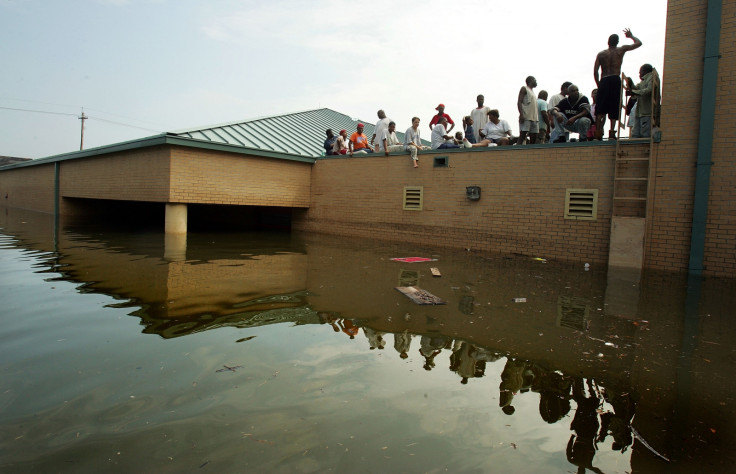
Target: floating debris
x=518, y=300
x=413, y=259
x=419, y=296
x=228, y=368
x=435, y=272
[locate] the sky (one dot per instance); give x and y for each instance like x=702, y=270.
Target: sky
x=138, y=68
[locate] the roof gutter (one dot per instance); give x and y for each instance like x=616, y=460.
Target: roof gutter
x=705, y=136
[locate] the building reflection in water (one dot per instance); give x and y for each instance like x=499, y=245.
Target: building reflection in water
x=614, y=375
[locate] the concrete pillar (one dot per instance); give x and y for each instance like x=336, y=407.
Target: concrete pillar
x=175, y=247
x=176, y=219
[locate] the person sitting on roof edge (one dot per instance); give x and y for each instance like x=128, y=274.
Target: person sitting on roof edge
x=341, y=144
x=359, y=141
x=440, y=138
x=330, y=142
x=389, y=142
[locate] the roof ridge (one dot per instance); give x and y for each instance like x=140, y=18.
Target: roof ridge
x=255, y=119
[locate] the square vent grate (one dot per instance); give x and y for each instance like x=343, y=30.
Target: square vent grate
x=413, y=198
x=581, y=204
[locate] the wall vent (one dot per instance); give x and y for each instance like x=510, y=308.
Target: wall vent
x=581, y=204
x=413, y=198
x=573, y=312
x=441, y=162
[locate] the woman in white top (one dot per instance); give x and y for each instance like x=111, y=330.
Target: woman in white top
x=496, y=131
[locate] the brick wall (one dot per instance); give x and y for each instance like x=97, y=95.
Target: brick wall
x=673, y=183
x=134, y=175
x=212, y=177
x=521, y=207
x=29, y=188
x=720, y=241
x=673, y=167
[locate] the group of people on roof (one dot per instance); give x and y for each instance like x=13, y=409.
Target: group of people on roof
x=539, y=121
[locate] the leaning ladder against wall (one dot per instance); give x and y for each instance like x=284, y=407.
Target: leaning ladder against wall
x=633, y=161
x=633, y=165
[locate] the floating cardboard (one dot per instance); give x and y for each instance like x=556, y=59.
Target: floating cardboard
x=435, y=271
x=414, y=259
x=420, y=296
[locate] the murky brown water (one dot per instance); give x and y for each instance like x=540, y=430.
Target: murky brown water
x=237, y=352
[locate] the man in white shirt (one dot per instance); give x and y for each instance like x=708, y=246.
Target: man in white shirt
x=528, y=113
x=479, y=116
x=381, y=126
x=389, y=142
x=440, y=139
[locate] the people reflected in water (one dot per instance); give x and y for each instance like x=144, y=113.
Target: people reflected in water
x=618, y=423
x=592, y=422
x=348, y=327
x=375, y=338
x=464, y=364
x=582, y=445
x=402, y=342
x=554, y=394
x=329, y=318
x=430, y=347
x=516, y=377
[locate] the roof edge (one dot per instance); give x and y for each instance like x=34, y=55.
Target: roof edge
x=157, y=140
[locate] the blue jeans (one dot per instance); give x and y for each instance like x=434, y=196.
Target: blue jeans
x=558, y=131
x=580, y=126
x=642, y=127
x=448, y=145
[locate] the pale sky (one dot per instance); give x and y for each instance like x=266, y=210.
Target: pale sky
x=142, y=67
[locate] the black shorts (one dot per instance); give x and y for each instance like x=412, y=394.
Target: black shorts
x=608, y=100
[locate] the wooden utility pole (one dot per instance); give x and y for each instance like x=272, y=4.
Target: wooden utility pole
x=82, y=118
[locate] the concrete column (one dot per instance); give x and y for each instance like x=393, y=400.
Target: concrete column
x=175, y=247
x=176, y=219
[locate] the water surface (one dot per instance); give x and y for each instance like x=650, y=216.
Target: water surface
x=242, y=352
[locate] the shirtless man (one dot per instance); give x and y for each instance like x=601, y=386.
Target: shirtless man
x=609, y=85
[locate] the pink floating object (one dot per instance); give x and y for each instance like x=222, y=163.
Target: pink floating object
x=413, y=259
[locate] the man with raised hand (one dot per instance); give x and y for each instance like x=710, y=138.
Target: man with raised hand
x=608, y=101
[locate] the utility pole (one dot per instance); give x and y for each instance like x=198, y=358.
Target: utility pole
x=82, y=118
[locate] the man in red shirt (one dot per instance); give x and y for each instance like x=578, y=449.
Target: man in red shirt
x=441, y=113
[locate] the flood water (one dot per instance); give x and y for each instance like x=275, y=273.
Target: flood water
x=276, y=352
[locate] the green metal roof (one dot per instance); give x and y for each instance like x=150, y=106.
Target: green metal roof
x=298, y=133
x=297, y=136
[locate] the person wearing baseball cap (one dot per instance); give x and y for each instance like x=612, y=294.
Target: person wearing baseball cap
x=441, y=113
x=341, y=144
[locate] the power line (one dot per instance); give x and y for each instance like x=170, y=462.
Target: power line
x=75, y=115
x=123, y=124
x=69, y=105
x=38, y=111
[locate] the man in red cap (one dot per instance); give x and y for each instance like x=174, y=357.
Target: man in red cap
x=359, y=141
x=441, y=113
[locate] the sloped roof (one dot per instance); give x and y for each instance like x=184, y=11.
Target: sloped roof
x=299, y=133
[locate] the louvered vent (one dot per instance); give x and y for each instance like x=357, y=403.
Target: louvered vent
x=573, y=313
x=413, y=198
x=581, y=204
